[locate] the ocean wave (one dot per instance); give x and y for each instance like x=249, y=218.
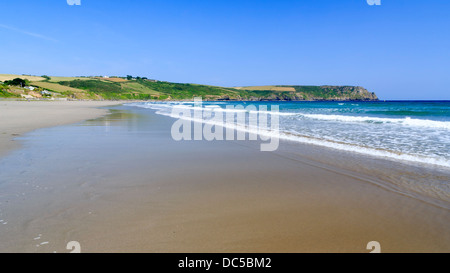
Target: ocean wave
x=216, y=108
x=210, y=108
x=401, y=121
x=339, y=145
x=297, y=137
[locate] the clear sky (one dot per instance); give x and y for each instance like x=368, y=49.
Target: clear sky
x=400, y=49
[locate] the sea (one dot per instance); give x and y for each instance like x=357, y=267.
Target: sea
x=406, y=131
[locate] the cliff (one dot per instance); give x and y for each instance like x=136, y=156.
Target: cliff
x=307, y=93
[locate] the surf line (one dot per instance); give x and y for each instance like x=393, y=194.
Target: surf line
x=214, y=123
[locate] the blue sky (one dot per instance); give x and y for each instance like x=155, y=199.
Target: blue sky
x=400, y=49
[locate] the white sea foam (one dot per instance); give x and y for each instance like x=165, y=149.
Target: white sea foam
x=331, y=144
x=400, y=121
x=162, y=109
x=209, y=108
x=366, y=150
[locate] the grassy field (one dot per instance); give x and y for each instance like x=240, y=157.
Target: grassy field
x=267, y=88
x=9, y=77
x=113, y=79
x=56, y=87
x=136, y=87
x=59, y=79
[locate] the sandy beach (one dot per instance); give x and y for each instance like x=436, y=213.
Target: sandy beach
x=120, y=183
x=18, y=117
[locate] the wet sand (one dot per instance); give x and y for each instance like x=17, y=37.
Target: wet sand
x=18, y=117
x=121, y=184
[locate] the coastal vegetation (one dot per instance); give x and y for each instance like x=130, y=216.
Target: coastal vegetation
x=142, y=88
x=17, y=82
x=4, y=91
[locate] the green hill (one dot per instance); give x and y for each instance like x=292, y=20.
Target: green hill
x=117, y=88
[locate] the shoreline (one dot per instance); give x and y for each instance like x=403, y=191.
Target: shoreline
x=129, y=187
x=19, y=117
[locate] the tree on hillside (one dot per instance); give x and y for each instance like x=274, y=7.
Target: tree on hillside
x=18, y=82
x=129, y=77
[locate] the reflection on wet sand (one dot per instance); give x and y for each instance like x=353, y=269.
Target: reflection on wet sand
x=120, y=183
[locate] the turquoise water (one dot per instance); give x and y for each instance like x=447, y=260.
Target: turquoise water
x=409, y=131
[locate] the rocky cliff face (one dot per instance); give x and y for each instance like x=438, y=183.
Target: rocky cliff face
x=307, y=93
x=346, y=93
